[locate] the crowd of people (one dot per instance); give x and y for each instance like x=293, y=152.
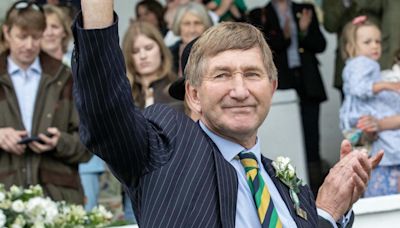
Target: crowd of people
x=180, y=60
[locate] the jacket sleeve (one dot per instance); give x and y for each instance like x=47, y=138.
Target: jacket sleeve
x=110, y=124
x=326, y=223
x=323, y=223
x=371, y=6
x=273, y=32
x=69, y=148
x=335, y=15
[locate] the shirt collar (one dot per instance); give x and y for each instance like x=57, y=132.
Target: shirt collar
x=13, y=68
x=228, y=148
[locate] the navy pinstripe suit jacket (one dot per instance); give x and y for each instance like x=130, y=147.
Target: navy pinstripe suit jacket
x=173, y=172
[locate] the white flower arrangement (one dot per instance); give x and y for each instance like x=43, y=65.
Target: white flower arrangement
x=21, y=208
x=287, y=174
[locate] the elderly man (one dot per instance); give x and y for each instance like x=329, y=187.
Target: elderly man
x=210, y=173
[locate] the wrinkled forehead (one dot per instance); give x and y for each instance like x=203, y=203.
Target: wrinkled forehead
x=234, y=59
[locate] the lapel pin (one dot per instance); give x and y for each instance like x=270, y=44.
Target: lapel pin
x=302, y=213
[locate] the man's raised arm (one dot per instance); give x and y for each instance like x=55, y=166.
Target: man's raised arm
x=110, y=124
x=97, y=13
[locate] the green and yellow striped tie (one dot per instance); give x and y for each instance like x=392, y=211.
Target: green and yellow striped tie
x=265, y=207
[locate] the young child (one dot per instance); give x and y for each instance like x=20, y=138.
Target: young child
x=366, y=94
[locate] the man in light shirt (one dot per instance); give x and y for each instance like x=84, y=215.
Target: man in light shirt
x=39, y=141
x=210, y=173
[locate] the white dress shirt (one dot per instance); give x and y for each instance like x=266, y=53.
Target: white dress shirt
x=26, y=84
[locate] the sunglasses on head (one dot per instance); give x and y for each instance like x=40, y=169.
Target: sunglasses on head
x=23, y=5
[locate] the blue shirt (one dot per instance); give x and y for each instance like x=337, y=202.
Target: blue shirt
x=94, y=165
x=26, y=84
x=246, y=213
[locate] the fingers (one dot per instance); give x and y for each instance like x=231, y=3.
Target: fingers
x=39, y=147
x=46, y=139
x=56, y=134
x=49, y=143
x=362, y=168
x=286, y=27
x=347, y=180
x=335, y=194
x=374, y=161
x=367, y=124
x=21, y=133
x=54, y=131
x=11, y=145
x=36, y=147
x=306, y=15
x=9, y=138
x=306, y=12
x=362, y=171
x=345, y=148
x=358, y=189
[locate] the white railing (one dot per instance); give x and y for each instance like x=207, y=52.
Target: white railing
x=381, y=212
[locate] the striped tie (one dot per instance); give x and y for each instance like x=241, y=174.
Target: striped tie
x=265, y=207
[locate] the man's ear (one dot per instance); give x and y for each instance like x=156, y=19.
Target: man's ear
x=274, y=85
x=192, y=96
x=5, y=31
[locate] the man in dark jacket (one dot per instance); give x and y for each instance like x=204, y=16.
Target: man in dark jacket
x=39, y=142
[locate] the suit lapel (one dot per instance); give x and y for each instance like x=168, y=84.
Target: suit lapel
x=227, y=188
x=283, y=191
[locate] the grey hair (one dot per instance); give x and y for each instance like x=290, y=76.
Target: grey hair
x=193, y=8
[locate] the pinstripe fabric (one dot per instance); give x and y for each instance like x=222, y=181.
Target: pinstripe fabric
x=173, y=172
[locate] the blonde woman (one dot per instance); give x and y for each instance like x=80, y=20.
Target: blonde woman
x=57, y=34
x=149, y=64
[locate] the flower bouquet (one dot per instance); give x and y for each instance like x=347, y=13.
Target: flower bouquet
x=20, y=208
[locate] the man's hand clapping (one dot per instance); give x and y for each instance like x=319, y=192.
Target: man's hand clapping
x=346, y=181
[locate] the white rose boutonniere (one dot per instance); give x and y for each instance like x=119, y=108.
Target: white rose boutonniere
x=287, y=174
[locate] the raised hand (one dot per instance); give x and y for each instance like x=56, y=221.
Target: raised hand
x=97, y=13
x=287, y=31
x=346, y=181
x=368, y=124
x=305, y=19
